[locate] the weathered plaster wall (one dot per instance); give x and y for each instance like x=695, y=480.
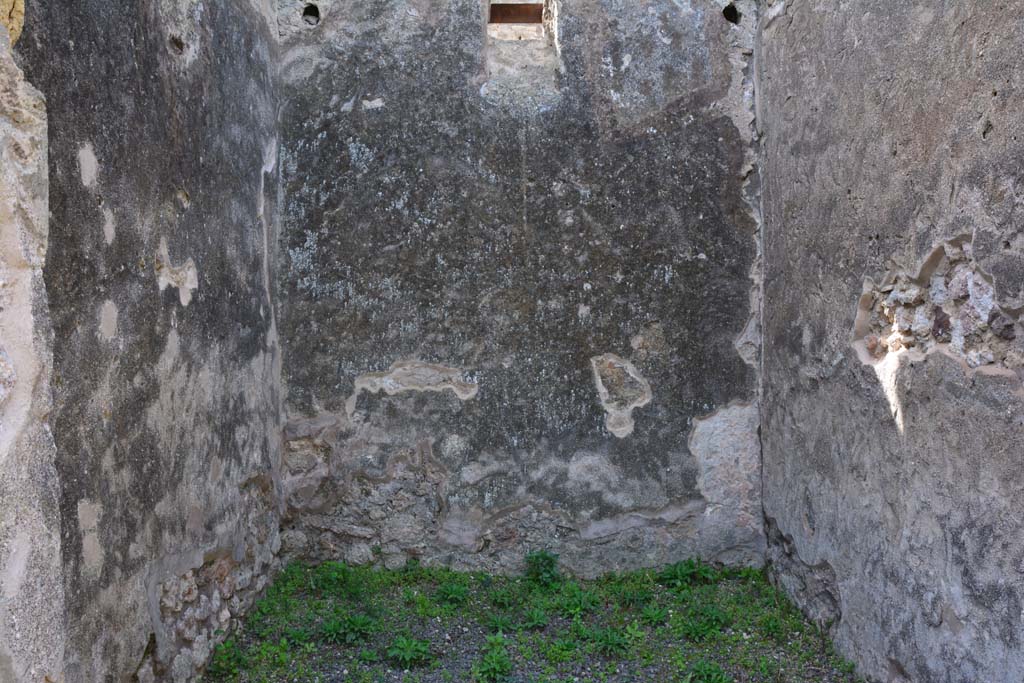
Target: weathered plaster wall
x=893, y=421
x=515, y=280
x=31, y=590
x=163, y=198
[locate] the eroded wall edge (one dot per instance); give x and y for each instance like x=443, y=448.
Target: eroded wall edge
x=32, y=621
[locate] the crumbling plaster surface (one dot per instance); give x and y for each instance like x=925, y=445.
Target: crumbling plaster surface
x=166, y=367
x=576, y=258
x=32, y=621
x=892, y=470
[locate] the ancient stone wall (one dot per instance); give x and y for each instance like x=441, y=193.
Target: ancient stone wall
x=32, y=621
x=163, y=206
x=893, y=407
x=516, y=277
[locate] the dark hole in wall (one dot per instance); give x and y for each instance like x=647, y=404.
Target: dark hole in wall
x=731, y=14
x=177, y=44
x=517, y=13
x=311, y=14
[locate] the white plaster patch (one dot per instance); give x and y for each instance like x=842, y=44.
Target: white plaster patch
x=108, y=226
x=89, y=514
x=373, y=104
x=621, y=388
x=184, y=277
x=412, y=376
x=88, y=165
x=108, y=320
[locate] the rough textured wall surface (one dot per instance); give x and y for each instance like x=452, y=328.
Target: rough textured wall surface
x=893, y=404
x=515, y=281
x=31, y=589
x=165, y=371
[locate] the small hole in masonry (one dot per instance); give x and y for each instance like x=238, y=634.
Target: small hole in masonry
x=311, y=14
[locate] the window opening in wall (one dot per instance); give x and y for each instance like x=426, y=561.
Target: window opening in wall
x=311, y=14
x=517, y=13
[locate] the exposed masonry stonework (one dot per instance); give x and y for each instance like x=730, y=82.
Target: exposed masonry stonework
x=950, y=303
x=200, y=607
x=380, y=282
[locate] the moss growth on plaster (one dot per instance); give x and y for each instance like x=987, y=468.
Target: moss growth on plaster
x=689, y=623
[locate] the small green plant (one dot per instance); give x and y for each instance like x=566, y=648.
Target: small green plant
x=771, y=626
x=500, y=623
x=654, y=615
x=407, y=651
x=635, y=635
x=609, y=642
x=452, y=593
x=535, y=618
x=228, y=660
x=700, y=623
x=704, y=671
x=277, y=654
x=542, y=568
x=574, y=601
x=347, y=629
x=297, y=635
x=631, y=597
x=337, y=578
x=559, y=650
x=495, y=664
x=768, y=668
x=368, y=656
x=686, y=573
x=504, y=598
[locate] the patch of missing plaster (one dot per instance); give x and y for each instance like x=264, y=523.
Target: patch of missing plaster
x=184, y=277
x=622, y=389
x=89, y=514
x=88, y=165
x=412, y=376
x=727, y=448
x=948, y=305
